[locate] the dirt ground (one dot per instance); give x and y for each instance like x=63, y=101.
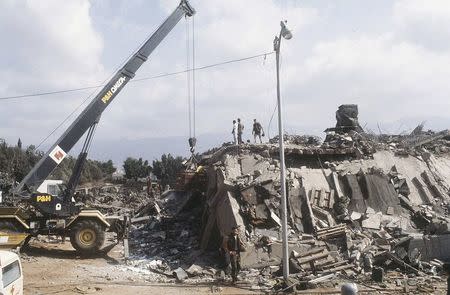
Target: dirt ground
x=52, y=267
x=55, y=268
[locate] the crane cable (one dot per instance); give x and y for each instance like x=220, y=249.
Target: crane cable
x=193, y=73
x=190, y=35
x=188, y=77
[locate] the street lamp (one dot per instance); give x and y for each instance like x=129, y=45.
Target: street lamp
x=286, y=34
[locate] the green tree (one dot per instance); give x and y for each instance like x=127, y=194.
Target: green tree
x=107, y=167
x=92, y=170
x=167, y=169
x=135, y=168
x=16, y=162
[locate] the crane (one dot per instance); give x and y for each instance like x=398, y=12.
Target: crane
x=60, y=214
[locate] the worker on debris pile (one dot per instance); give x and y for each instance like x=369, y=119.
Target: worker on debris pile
x=257, y=130
x=234, y=131
x=233, y=247
x=240, y=130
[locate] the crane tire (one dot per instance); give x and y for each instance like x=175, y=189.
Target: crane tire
x=87, y=236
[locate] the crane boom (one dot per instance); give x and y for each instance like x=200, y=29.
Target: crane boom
x=93, y=111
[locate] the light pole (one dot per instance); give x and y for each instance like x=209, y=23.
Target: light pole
x=286, y=34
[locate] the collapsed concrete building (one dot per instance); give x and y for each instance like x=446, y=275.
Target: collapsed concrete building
x=359, y=204
x=354, y=201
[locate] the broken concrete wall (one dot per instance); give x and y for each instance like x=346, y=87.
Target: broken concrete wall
x=381, y=195
x=317, y=179
x=334, y=196
x=408, y=166
x=222, y=212
x=228, y=214
x=439, y=168
x=347, y=118
x=357, y=202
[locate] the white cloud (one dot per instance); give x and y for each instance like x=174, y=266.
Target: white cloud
x=391, y=75
x=379, y=71
x=49, y=43
x=46, y=46
x=424, y=22
x=224, y=30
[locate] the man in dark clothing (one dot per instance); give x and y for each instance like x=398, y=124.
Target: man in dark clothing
x=234, y=247
x=240, y=131
x=257, y=130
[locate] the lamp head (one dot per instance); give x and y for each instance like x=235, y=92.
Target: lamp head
x=285, y=32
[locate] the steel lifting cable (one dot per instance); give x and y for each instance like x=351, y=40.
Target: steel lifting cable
x=188, y=77
x=191, y=85
x=193, y=73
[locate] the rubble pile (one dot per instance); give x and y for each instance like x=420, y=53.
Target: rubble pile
x=113, y=198
x=344, y=220
x=168, y=235
x=354, y=211
x=365, y=208
x=167, y=242
x=307, y=140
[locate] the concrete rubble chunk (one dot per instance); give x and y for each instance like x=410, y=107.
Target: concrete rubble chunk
x=373, y=221
x=180, y=274
x=370, y=210
x=423, y=190
x=194, y=270
x=355, y=216
x=275, y=218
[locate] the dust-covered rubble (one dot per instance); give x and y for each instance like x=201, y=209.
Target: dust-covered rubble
x=372, y=209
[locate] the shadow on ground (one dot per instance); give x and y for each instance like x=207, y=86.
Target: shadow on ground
x=64, y=251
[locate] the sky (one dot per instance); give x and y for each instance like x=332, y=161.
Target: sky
x=389, y=57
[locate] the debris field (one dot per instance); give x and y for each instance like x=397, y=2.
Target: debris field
x=370, y=209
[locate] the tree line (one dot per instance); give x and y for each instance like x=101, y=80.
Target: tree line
x=16, y=162
x=165, y=169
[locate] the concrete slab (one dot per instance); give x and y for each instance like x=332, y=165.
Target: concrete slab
x=373, y=221
x=261, y=211
x=275, y=218
x=250, y=163
x=249, y=195
x=356, y=197
x=431, y=247
x=381, y=193
x=422, y=188
x=233, y=168
x=313, y=178
x=408, y=166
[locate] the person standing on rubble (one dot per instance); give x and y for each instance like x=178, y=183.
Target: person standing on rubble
x=234, y=131
x=233, y=247
x=240, y=130
x=257, y=130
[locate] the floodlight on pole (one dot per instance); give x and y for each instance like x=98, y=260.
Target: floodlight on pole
x=286, y=34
